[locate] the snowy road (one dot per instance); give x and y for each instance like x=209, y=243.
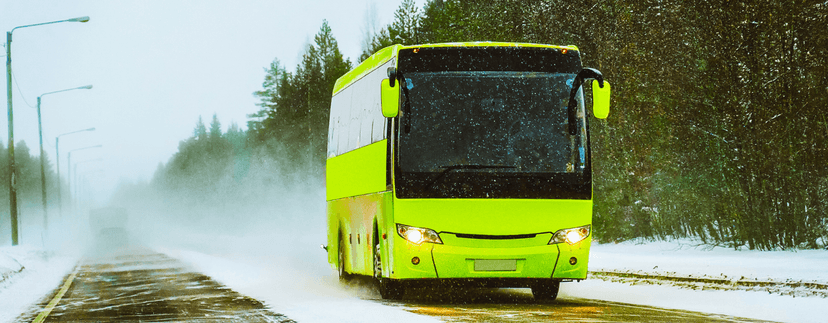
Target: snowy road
x=140, y=285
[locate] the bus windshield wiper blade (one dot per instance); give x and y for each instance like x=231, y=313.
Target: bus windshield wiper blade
x=447, y=169
x=407, y=103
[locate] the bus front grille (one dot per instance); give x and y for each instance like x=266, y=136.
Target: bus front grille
x=496, y=237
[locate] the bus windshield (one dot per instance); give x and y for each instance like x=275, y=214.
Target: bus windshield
x=489, y=121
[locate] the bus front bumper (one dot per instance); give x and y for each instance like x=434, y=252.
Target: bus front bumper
x=467, y=262
x=560, y=261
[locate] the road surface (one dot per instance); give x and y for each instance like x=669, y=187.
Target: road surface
x=144, y=286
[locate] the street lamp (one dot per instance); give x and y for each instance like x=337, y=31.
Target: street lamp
x=57, y=157
x=69, y=163
x=42, y=155
x=12, y=180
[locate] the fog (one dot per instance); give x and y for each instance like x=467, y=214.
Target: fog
x=270, y=212
x=261, y=238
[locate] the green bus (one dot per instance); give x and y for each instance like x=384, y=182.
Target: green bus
x=465, y=164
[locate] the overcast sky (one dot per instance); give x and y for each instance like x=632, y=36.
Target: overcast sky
x=156, y=66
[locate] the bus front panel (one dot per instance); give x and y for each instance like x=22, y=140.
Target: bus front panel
x=492, y=238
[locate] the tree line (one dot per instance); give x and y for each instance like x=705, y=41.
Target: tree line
x=29, y=188
x=717, y=130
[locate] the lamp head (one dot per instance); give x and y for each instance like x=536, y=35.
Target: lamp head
x=86, y=87
x=80, y=19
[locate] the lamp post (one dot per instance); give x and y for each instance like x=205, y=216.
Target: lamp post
x=69, y=163
x=12, y=171
x=57, y=157
x=42, y=155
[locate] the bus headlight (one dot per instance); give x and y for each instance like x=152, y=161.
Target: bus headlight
x=418, y=235
x=570, y=236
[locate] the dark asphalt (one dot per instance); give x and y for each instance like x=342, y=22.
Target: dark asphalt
x=143, y=286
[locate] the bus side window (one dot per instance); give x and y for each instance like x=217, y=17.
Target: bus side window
x=353, y=123
x=343, y=132
x=339, y=123
x=365, y=123
x=331, y=135
x=377, y=119
x=356, y=115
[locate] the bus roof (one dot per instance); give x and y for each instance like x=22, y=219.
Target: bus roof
x=383, y=55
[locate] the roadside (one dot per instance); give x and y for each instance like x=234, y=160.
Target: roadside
x=27, y=274
x=789, y=287
x=688, y=265
x=786, y=286
x=9, y=266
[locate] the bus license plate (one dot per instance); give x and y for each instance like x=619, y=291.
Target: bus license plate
x=495, y=265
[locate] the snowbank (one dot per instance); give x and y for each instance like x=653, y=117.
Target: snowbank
x=8, y=266
x=687, y=258
x=27, y=275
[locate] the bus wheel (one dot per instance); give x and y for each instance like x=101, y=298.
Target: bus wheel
x=340, y=264
x=546, y=291
x=388, y=288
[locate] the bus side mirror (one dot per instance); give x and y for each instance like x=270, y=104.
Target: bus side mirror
x=390, y=98
x=600, y=99
x=392, y=75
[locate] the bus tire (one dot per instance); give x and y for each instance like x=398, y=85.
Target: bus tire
x=340, y=263
x=546, y=291
x=388, y=288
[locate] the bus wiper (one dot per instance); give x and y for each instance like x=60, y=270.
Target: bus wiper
x=447, y=169
x=586, y=73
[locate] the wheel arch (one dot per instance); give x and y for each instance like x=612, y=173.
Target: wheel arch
x=341, y=236
x=385, y=247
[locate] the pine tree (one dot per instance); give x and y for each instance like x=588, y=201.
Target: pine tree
x=405, y=30
x=406, y=26
x=200, y=131
x=215, y=128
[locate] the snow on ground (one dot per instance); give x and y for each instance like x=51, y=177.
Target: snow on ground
x=27, y=274
x=756, y=305
x=295, y=293
x=679, y=258
x=685, y=257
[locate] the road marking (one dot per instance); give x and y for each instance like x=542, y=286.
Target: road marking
x=42, y=316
